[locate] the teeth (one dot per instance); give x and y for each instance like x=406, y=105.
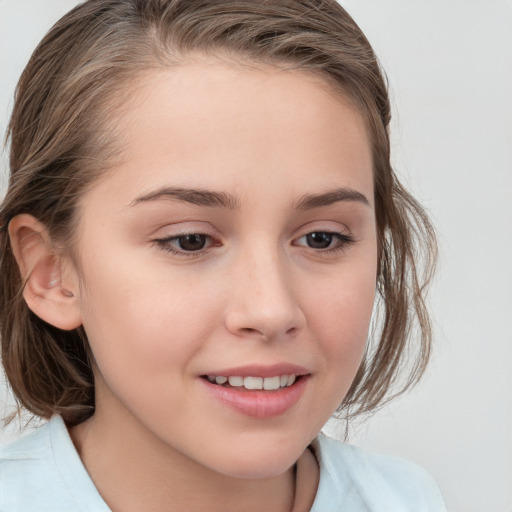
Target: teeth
x=267, y=383
x=236, y=381
x=253, y=383
x=271, y=382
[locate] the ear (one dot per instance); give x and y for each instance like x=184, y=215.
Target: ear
x=50, y=280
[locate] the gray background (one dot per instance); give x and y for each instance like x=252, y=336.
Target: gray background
x=449, y=64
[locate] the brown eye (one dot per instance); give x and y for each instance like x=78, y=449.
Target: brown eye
x=325, y=241
x=193, y=242
x=319, y=240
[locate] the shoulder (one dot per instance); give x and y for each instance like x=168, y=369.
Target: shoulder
x=42, y=472
x=363, y=481
x=25, y=467
x=29, y=446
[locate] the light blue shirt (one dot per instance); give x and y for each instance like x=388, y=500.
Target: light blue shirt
x=42, y=472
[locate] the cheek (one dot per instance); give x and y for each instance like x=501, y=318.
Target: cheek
x=141, y=324
x=343, y=327
x=339, y=315
x=340, y=318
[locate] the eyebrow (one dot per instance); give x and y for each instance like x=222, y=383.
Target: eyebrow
x=214, y=199
x=194, y=196
x=310, y=201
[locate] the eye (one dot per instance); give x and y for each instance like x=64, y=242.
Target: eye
x=193, y=242
x=319, y=240
x=325, y=240
x=186, y=244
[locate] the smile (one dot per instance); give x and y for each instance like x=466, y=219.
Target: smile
x=258, y=397
x=254, y=383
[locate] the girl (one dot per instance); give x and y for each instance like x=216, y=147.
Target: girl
x=200, y=216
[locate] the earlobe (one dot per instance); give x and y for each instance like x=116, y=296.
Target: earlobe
x=50, y=288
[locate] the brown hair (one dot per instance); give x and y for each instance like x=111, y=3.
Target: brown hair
x=60, y=143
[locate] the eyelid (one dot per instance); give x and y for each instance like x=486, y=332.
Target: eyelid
x=184, y=227
x=344, y=237
x=172, y=232
x=166, y=244
x=323, y=226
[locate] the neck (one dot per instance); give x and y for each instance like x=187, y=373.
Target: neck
x=135, y=471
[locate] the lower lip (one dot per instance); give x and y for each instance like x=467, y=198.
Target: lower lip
x=259, y=404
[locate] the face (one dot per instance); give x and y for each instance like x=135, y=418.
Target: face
x=236, y=241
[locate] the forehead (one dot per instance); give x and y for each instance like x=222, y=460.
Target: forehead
x=212, y=124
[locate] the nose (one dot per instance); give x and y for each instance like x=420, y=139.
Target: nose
x=264, y=298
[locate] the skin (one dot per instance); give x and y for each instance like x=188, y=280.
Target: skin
x=158, y=320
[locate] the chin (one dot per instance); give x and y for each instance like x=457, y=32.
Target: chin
x=259, y=461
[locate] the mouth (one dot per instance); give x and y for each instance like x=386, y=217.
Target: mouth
x=251, y=383
x=258, y=391
x=257, y=397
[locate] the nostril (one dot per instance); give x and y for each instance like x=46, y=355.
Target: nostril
x=250, y=330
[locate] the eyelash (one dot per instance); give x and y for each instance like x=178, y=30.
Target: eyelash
x=344, y=241
x=165, y=245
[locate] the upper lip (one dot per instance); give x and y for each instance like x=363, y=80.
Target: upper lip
x=256, y=370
